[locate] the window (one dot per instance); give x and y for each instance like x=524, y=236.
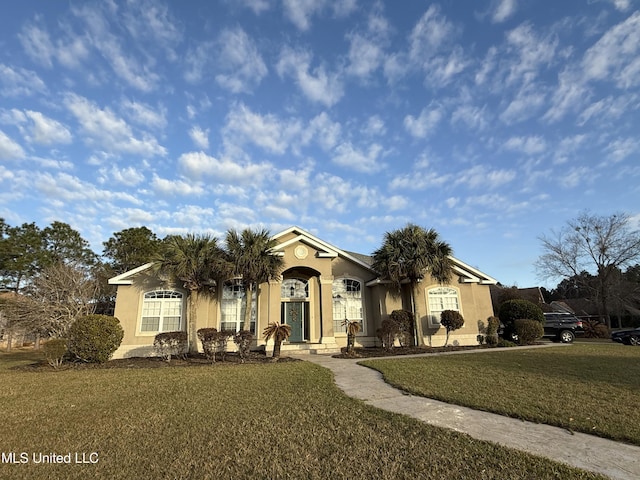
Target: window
x=161, y=311
x=233, y=307
x=441, y=299
x=347, y=303
x=294, y=288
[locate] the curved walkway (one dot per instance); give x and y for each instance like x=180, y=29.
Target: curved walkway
x=614, y=459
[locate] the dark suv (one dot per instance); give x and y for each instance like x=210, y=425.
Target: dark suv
x=563, y=327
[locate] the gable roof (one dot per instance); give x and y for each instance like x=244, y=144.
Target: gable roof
x=466, y=273
x=324, y=249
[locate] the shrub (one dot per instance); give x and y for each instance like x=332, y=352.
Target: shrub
x=243, y=340
x=504, y=343
x=54, y=351
x=213, y=342
x=491, y=337
x=595, y=329
x=451, y=320
x=94, y=338
x=480, y=339
x=404, y=322
x=513, y=310
x=387, y=333
x=528, y=331
x=168, y=344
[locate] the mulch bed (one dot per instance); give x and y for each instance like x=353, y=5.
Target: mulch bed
x=191, y=360
x=376, y=352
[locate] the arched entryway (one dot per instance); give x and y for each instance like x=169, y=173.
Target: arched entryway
x=298, y=297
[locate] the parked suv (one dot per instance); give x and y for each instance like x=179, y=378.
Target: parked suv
x=562, y=327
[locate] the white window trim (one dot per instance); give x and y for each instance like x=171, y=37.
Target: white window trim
x=153, y=333
x=435, y=322
x=240, y=316
x=363, y=322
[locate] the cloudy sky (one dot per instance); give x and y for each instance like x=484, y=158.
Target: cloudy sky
x=492, y=121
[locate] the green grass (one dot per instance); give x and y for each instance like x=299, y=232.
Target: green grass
x=592, y=388
x=282, y=420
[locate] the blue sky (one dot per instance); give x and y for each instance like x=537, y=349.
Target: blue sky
x=491, y=121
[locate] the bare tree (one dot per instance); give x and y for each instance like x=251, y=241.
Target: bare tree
x=599, y=245
x=60, y=294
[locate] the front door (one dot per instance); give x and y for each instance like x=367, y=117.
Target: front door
x=294, y=316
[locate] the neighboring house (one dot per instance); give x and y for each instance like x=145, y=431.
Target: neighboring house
x=320, y=286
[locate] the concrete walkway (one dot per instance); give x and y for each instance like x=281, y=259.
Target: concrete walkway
x=614, y=459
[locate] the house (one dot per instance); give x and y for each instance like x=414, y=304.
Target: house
x=320, y=286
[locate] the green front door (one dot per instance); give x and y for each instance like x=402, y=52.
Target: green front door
x=294, y=316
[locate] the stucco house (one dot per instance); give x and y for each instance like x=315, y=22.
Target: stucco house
x=320, y=286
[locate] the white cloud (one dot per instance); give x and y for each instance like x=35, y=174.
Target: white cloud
x=240, y=61
x=199, y=164
x=419, y=180
x=432, y=31
x=318, y=85
x=503, y=9
x=425, y=124
x=265, y=131
x=323, y=130
x=103, y=128
x=348, y=156
x=135, y=71
x=622, y=5
x=300, y=12
x=365, y=56
x=483, y=177
x=375, y=126
x=15, y=82
x=577, y=176
x=46, y=131
x=532, y=52
x=258, y=6
x=200, y=137
x=567, y=148
x=529, y=99
x=9, y=150
x=396, y=202
x=474, y=117
x=615, y=55
x=530, y=144
x=176, y=187
x=621, y=148
x=128, y=176
x=145, y=115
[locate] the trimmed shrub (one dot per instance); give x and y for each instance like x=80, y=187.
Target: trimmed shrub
x=491, y=337
x=451, y=320
x=504, y=343
x=214, y=342
x=54, y=351
x=243, y=340
x=404, y=322
x=387, y=333
x=513, y=310
x=168, y=344
x=94, y=338
x=528, y=331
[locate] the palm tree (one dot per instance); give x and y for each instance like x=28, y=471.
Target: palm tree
x=196, y=261
x=250, y=252
x=279, y=332
x=406, y=255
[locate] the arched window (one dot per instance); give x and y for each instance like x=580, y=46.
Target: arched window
x=294, y=288
x=440, y=299
x=347, y=303
x=161, y=311
x=233, y=307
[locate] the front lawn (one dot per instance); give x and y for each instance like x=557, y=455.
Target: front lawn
x=281, y=420
x=592, y=388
